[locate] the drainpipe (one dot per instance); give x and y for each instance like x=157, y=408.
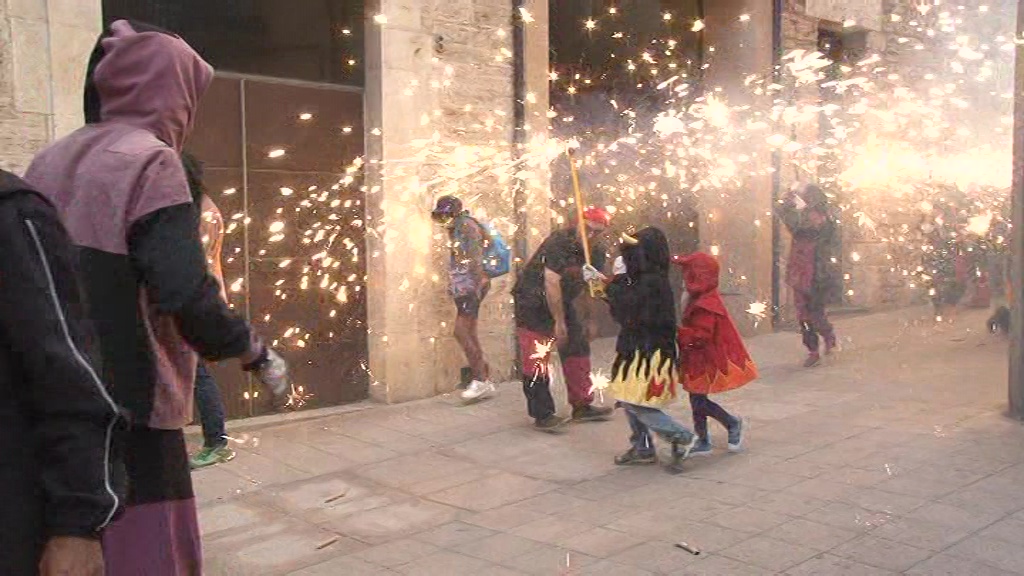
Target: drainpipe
x=519, y=241
x=777, y=8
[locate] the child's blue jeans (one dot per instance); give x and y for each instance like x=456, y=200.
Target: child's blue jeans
x=644, y=421
x=210, y=408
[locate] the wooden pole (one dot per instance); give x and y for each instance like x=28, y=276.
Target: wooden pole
x=581, y=223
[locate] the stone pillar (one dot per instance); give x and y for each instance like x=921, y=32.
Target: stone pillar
x=737, y=223
x=44, y=48
x=440, y=120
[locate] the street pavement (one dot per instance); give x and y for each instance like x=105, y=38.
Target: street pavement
x=894, y=457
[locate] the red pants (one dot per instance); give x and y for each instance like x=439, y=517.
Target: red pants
x=535, y=352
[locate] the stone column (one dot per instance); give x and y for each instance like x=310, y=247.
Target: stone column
x=737, y=223
x=440, y=120
x=44, y=48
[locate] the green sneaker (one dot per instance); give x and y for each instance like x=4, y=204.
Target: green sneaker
x=211, y=456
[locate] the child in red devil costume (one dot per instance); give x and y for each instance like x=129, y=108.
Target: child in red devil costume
x=712, y=355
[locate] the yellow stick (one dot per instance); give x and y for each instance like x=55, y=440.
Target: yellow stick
x=581, y=224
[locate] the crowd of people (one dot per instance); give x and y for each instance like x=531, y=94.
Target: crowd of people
x=657, y=352
x=112, y=300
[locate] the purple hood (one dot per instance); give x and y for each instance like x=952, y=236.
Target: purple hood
x=150, y=80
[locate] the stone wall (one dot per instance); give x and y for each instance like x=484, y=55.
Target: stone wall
x=44, y=48
x=440, y=112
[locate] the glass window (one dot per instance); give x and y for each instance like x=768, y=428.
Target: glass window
x=313, y=40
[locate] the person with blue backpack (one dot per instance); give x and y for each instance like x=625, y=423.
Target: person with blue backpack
x=478, y=254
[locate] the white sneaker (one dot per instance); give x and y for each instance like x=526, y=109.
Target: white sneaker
x=478, y=390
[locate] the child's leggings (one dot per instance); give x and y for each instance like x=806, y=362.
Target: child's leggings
x=702, y=408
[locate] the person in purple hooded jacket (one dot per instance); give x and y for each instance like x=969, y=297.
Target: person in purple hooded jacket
x=120, y=188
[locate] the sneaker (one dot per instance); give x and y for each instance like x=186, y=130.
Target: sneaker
x=681, y=449
x=702, y=448
x=632, y=457
x=736, y=434
x=550, y=424
x=590, y=414
x=813, y=359
x=211, y=456
x=478, y=390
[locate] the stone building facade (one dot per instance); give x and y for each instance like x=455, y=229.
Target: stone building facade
x=44, y=45
x=440, y=117
x=440, y=110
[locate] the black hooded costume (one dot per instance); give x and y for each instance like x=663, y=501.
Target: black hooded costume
x=641, y=301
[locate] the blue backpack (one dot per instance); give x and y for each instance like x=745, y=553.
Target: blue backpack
x=497, y=254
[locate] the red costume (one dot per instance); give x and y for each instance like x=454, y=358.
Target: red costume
x=712, y=354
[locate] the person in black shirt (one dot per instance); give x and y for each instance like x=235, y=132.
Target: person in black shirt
x=547, y=316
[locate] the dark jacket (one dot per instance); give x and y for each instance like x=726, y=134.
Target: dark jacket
x=809, y=269
x=642, y=303
x=57, y=473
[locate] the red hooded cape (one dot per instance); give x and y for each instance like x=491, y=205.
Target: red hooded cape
x=712, y=354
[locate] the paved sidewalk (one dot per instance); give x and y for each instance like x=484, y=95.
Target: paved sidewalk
x=894, y=458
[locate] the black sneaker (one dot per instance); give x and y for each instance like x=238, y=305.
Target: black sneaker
x=632, y=457
x=552, y=423
x=590, y=414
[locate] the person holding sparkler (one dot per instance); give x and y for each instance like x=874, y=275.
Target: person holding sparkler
x=547, y=317
x=120, y=188
x=645, y=372
x=805, y=212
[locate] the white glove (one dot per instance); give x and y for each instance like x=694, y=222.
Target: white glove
x=590, y=274
x=273, y=373
x=799, y=202
x=619, y=267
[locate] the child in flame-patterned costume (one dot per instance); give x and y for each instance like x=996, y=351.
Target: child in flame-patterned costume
x=711, y=351
x=645, y=372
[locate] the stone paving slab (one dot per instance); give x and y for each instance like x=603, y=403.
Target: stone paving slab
x=894, y=457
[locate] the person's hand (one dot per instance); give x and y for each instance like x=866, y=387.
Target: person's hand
x=591, y=331
x=798, y=202
x=484, y=287
x=591, y=274
x=619, y=267
x=72, y=556
x=561, y=333
x=273, y=373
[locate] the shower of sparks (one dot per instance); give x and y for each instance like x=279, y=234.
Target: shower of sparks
x=297, y=398
x=543, y=350
x=912, y=144
x=598, y=384
x=758, y=310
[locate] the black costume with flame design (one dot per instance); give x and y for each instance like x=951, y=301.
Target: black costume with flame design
x=641, y=301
